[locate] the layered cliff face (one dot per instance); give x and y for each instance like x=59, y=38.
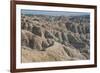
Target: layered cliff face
x=55, y=38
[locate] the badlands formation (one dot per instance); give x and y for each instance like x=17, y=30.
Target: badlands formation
x=54, y=38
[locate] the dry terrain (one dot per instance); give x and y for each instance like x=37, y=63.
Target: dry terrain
x=54, y=38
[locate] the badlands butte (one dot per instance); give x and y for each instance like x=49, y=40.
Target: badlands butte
x=54, y=38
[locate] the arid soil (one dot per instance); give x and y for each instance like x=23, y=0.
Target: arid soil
x=54, y=38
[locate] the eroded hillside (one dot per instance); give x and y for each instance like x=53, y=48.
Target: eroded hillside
x=55, y=38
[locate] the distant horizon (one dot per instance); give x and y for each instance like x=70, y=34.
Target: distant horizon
x=53, y=13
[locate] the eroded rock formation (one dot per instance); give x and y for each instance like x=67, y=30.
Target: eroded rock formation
x=55, y=38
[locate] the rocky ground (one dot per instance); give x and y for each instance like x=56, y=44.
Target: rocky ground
x=55, y=38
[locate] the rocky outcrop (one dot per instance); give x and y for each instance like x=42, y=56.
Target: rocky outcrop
x=37, y=31
x=55, y=38
x=33, y=41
